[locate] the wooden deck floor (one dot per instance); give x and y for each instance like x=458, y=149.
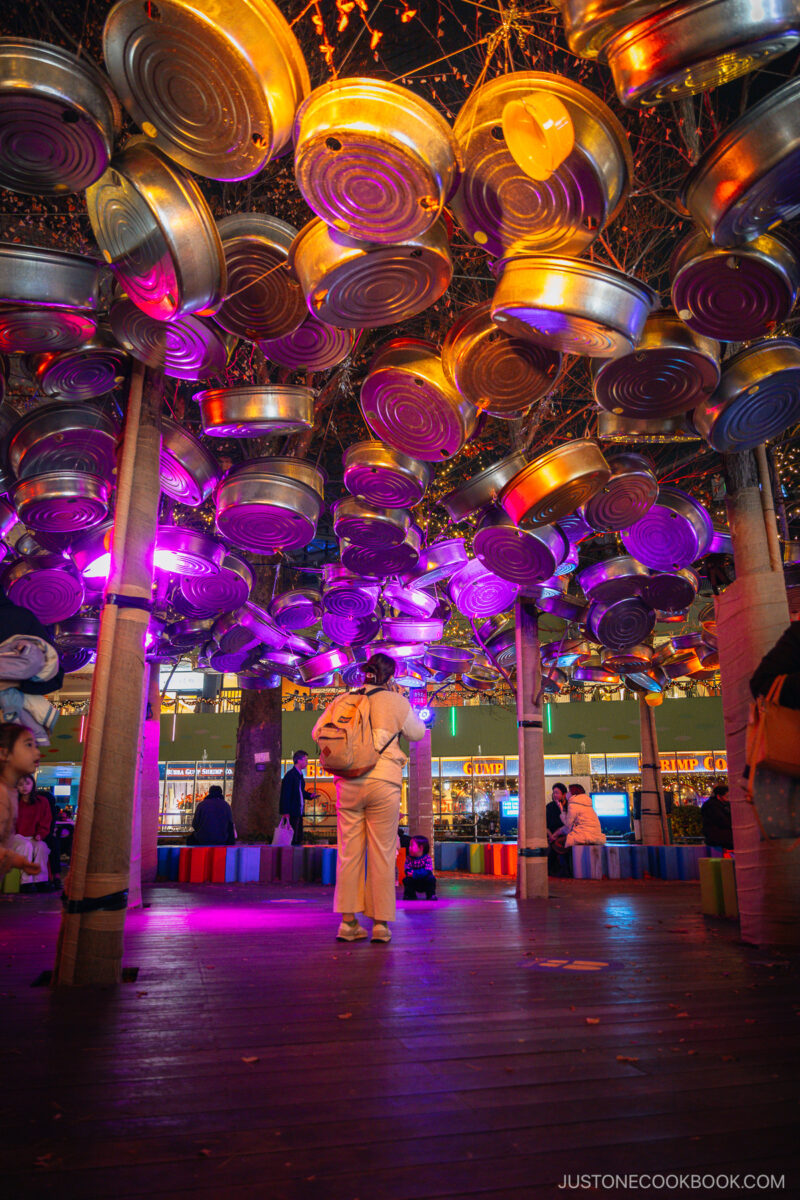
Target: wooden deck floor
x=256, y=1057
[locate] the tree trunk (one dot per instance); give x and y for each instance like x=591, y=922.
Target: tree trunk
x=420, y=789
x=532, y=835
x=256, y=777
x=653, y=820
x=91, y=939
x=257, y=773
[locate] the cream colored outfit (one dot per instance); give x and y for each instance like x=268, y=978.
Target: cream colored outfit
x=368, y=813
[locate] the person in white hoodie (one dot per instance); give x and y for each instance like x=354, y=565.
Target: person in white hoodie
x=581, y=823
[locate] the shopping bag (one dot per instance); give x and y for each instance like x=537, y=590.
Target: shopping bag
x=283, y=832
x=773, y=735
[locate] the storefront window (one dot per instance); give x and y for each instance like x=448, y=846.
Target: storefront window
x=183, y=786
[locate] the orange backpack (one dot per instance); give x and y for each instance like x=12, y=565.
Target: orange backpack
x=344, y=736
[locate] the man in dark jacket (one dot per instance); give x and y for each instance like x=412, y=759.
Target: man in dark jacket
x=716, y=817
x=212, y=821
x=294, y=795
x=558, y=860
x=782, y=659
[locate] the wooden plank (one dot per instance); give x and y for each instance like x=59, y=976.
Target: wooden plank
x=453, y=1044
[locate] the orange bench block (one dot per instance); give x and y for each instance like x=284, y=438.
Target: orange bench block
x=509, y=859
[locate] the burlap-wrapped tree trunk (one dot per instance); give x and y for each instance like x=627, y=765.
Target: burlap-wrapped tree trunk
x=91, y=938
x=751, y=615
x=149, y=779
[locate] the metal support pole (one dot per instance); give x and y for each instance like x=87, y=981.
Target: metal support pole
x=653, y=812
x=532, y=836
x=768, y=509
x=420, y=789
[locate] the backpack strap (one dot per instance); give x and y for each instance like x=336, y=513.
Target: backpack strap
x=391, y=739
x=372, y=692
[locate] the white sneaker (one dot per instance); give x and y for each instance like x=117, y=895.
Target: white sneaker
x=381, y=932
x=348, y=932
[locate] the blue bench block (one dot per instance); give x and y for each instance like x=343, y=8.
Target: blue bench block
x=173, y=858
x=638, y=861
x=161, y=862
x=689, y=861
x=328, y=875
x=448, y=856
x=249, y=864
x=668, y=862
x=315, y=863
x=589, y=862
x=232, y=864
x=624, y=853
x=437, y=856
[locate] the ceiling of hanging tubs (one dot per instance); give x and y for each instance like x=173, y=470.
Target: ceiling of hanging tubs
x=440, y=306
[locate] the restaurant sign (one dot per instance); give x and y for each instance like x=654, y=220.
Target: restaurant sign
x=699, y=762
x=204, y=770
x=484, y=766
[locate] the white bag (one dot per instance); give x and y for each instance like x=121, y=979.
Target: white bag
x=283, y=832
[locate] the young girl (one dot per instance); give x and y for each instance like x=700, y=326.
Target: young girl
x=34, y=822
x=418, y=874
x=19, y=755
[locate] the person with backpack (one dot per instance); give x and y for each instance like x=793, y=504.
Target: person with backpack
x=357, y=737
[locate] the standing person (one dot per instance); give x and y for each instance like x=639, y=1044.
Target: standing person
x=368, y=811
x=34, y=822
x=212, y=821
x=782, y=659
x=582, y=824
x=716, y=817
x=19, y=755
x=558, y=861
x=294, y=795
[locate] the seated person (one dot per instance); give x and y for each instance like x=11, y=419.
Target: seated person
x=18, y=757
x=581, y=824
x=34, y=821
x=212, y=821
x=558, y=860
x=418, y=874
x=716, y=817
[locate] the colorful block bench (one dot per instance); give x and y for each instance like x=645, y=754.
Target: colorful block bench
x=476, y=858
x=638, y=862
x=247, y=864
x=718, y=887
